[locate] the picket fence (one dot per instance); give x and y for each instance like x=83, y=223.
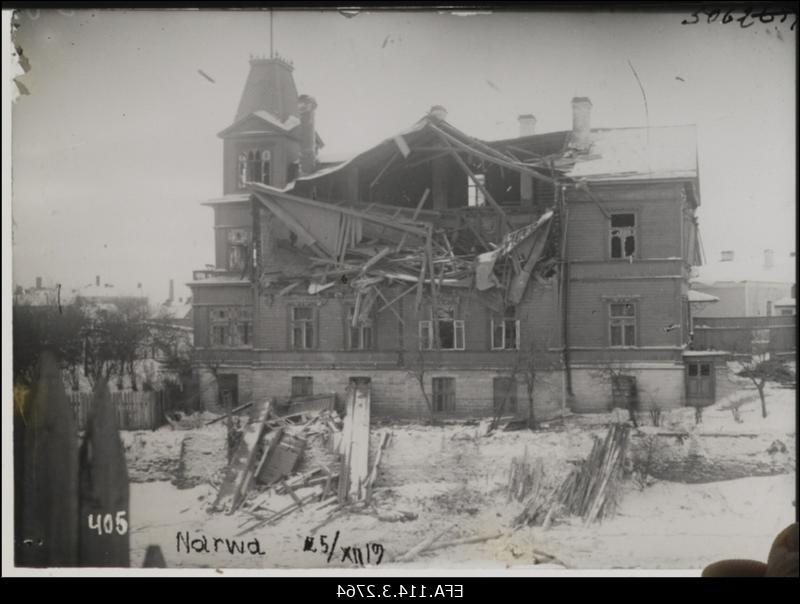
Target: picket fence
x=135, y=410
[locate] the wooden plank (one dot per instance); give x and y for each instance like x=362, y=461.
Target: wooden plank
x=236, y=410
x=104, y=491
x=229, y=495
x=357, y=440
x=48, y=479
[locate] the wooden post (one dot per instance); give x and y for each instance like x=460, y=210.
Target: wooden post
x=104, y=491
x=49, y=483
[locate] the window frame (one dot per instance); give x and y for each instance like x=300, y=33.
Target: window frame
x=246, y=162
x=513, y=399
x=304, y=324
x=447, y=394
x=509, y=315
x=623, y=321
x=362, y=327
x=307, y=382
x=634, y=231
x=426, y=332
x=474, y=190
x=236, y=321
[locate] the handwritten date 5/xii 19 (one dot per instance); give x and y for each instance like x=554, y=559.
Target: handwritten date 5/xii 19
x=372, y=553
x=746, y=19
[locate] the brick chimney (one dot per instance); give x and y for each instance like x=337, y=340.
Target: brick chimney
x=527, y=124
x=306, y=107
x=171, y=291
x=97, y=280
x=438, y=112
x=38, y=283
x=726, y=256
x=581, y=123
x=769, y=259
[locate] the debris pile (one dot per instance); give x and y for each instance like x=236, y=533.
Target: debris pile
x=300, y=453
x=589, y=491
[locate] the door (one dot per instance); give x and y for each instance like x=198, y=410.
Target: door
x=228, y=390
x=699, y=383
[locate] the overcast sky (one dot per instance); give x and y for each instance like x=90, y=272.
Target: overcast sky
x=115, y=147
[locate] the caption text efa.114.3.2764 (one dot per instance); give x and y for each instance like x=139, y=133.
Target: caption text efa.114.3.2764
x=367, y=590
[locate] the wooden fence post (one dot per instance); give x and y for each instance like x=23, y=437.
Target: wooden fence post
x=104, y=490
x=49, y=481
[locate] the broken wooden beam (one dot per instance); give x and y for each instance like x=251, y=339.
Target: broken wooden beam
x=231, y=412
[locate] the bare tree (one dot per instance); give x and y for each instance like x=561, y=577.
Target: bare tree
x=419, y=371
x=760, y=368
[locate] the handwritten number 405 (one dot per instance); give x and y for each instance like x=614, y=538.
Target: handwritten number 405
x=746, y=20
x=108, y=524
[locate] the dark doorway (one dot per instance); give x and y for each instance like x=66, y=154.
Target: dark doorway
x=228, y=390
x=700, y=387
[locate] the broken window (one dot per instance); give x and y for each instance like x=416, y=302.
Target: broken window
x=444, y=394
x=623, y=235
x=253, y=166
x=451, y=331
x=302, y=327
x=302, y=386
x=505, y=394
x=231, y=326
x=622, y=316
x=475, y=197
x=505, y=331
x=359, y=337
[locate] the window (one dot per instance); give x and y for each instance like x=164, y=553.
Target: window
x=623, y=235
x=231, y=326
x=302, y=386
x=238, y=242
x=451, y=331
x=505, y=331
x=622, y=318
x=220, y=324
x=444, y=394
x=302, y=327
x=359, y=337
x=785, y=312
x=505, y=394
x=253, y=166
x=475, y=197
x=243, y=327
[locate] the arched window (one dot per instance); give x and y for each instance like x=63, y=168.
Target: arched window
x=253, y=166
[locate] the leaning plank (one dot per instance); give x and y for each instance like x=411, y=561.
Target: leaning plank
x=424, y=545
x=236, y=410
x=229, y=496
x=104, y=491
x=48, y=473
x=465, y=541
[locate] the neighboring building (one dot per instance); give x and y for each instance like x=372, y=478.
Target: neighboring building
x=572, y=248
x=39, y=295
x=785, y=307
x=747, y=287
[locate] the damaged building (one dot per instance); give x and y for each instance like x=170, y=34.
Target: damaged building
x=453, y=275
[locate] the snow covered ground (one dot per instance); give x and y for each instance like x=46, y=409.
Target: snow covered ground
x=453, y=475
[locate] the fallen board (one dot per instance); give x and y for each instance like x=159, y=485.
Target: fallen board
x=239, y=470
